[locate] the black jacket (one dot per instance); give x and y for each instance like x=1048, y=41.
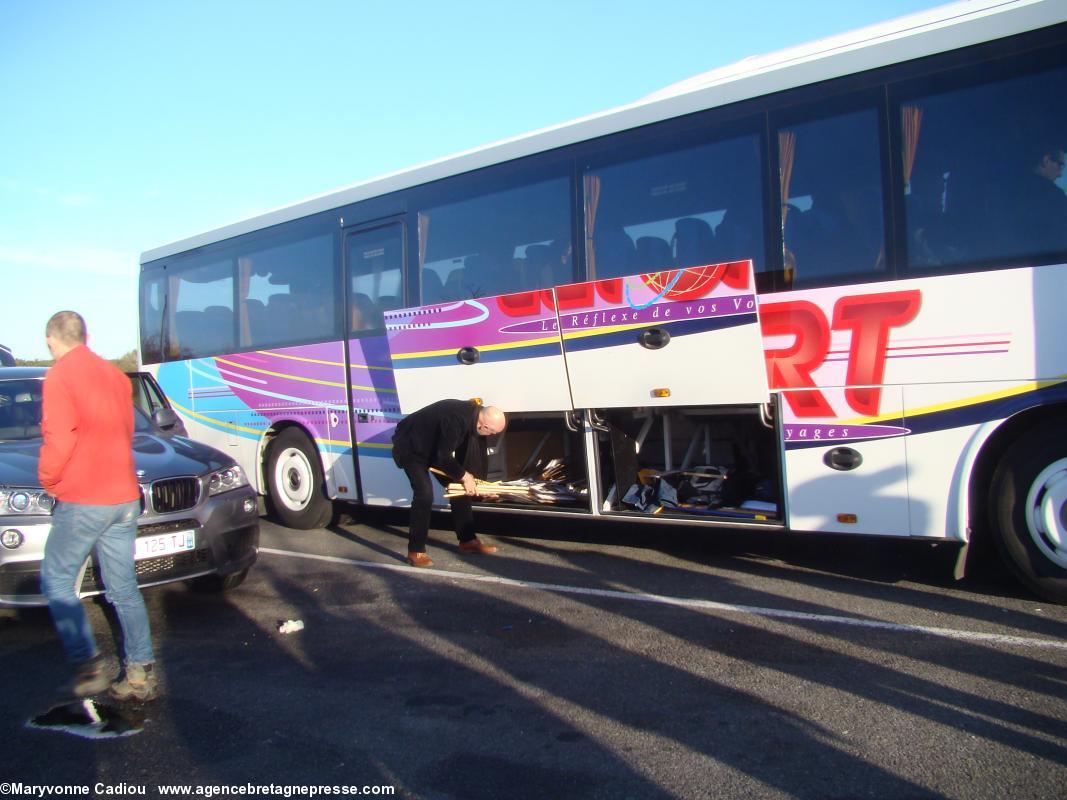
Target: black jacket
x=442, y=435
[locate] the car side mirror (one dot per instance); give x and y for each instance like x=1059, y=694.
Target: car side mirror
x=165, y=418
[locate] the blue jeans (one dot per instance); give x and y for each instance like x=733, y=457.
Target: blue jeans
x=76, y=530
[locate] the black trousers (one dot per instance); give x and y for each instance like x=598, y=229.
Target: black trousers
x=422, y=502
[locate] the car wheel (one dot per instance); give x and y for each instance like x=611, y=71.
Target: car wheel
x=295, y=482
x=1028, y=509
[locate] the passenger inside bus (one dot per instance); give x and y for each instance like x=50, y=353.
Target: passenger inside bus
x=365, y=315
x=739, y=235
x=840, y=233
x=538, y=264
x=1035, y=209
x=616, y=253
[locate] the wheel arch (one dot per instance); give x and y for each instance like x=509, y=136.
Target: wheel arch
x=990, y=454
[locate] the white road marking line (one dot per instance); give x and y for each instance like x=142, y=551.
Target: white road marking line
x=686, y=602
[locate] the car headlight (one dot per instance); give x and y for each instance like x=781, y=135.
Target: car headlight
x=226, y=480
x=26, y=501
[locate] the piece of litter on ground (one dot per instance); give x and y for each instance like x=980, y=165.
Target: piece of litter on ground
x=90, y=720
x=291, y=626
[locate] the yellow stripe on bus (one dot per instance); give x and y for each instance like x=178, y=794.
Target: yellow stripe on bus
x=278, y=374
x=1029, y=386
x=255, y=431
x=485, y=347
x=300, y=358
x=321, y=361
x=576, y=334
x=214, y=421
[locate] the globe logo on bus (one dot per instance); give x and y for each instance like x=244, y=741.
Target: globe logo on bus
x=684, y=284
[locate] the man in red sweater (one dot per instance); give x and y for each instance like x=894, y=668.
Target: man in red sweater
x=86, y=463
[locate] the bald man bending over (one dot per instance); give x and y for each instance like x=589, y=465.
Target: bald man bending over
x=449, y=436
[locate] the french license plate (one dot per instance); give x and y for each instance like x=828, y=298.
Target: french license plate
x=163, y=544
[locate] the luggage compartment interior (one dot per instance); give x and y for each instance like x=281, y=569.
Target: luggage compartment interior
x=719, y=462
x=538, y=461
x=711, y=463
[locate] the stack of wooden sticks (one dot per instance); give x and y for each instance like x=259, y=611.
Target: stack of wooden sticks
x=546, y=487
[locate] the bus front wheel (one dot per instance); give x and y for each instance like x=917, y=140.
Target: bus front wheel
x=295, y=482
x=1029, y=510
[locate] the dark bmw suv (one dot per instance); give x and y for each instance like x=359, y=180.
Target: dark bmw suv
x=199, y=516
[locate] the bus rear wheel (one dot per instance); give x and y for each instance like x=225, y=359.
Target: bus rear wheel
x=1028, y=508
x=295, y=482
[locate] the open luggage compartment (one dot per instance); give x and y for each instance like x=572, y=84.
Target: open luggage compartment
x=539, y=462
x=702, y=463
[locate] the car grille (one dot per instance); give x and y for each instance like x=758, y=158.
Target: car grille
x=173, y=494
x=20, y=579
x=151, y=569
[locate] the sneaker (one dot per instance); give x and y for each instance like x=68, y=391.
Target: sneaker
x=140, y=683
x=89, y=677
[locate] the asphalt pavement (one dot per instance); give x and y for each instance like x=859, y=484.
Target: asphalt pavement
x=582, y=661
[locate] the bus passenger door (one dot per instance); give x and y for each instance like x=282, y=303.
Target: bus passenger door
x=504, y=350
x=374, y=265
x=686, y=337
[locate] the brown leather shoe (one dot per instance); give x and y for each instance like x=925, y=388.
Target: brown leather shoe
x=419, y=559
x=475, y=546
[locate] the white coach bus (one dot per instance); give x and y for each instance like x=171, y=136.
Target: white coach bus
x=818, y=290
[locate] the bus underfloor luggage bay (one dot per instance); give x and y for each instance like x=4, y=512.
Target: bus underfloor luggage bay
x=639, y=396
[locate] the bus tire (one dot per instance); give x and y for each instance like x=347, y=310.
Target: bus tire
x=295, y=482
x=1028, y=510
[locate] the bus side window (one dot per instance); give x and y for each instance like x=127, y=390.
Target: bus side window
x=831, y=183
x=201, y=296
x=981, y=187
x=480, y=245
x=288, y=289
x=680, y=207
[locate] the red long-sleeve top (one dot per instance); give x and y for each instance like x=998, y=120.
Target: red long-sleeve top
x=87, y=421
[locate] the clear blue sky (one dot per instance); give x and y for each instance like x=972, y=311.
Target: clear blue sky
x=127, y=125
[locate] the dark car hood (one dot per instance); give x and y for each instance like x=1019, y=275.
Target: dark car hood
x=167, y=456
x=155, y=457
x=18, y=463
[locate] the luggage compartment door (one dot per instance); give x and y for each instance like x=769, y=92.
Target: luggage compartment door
x=677, y=337
x=848, y=476
x=505, y=350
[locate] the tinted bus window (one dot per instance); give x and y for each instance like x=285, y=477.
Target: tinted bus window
x=375, y=266
x=983, y=173
x=508, y=241
x=682, y=209
x=830, y=176
x=153, y=291
x=201, y=295
x=289, y=292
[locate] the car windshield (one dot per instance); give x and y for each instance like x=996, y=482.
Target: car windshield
x=141, y=422
x=20, y=411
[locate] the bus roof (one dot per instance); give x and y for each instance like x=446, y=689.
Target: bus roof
x=936, y=30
